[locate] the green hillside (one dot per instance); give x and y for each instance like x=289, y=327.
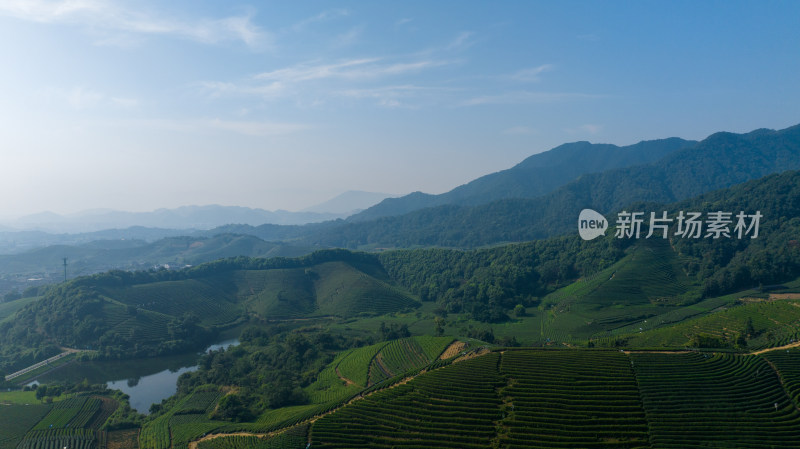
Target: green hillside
x=8, y=309
x=648, y=282
x=506, y=398
x=339, y=344
x=140, y=314
x=737, y=324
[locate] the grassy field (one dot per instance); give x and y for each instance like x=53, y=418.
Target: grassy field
x=19, y=397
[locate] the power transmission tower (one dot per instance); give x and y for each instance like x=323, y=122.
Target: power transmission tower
x=65, y=269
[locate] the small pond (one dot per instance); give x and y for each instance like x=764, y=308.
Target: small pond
x=146, y=381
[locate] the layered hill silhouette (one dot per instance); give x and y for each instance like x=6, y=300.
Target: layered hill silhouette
x=721, y=160
x=687, y=169
x=46, y=264
x=623, y=282
x=535, y=176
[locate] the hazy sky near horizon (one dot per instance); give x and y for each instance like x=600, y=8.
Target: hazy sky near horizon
x=139, y=105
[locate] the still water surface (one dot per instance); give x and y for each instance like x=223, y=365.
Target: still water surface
x=146, y=381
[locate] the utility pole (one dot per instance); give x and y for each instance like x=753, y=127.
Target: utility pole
x=65, y=269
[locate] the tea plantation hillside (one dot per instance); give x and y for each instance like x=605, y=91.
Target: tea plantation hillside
x=74, y=421
x=528, y=399
x=348, y=376
x=138, y=314
x=478, y=398
x=646, y=283
x=573, y=399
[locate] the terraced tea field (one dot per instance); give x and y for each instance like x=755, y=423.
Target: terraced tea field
x=580, y=399
x=646, y=283
x=185, y=422
x=72, y=423
x=787, y=362
x=775, y=323
x=571, y=399
x=715, y=400
x=457, y=407
x=400, y=356
x=174, y=298
x=514, y=398
x=343, y=290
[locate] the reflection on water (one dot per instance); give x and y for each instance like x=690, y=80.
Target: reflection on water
x=223, y=345
x=146, y=381
x=150, y=389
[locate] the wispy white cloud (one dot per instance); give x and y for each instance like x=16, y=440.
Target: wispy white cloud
x=324, y=16
x=531, y=74
x=403, y=21
x=111, y=17
x=299, y=80
x=523, y=97
x=306, y=72
x=349, y=37
x=348, y=69
x=460, y=42
x=218, y=89
x=387, y=96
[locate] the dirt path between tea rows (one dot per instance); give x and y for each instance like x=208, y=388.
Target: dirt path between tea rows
x=193, y=444
x=777, y=348
x=453, y=349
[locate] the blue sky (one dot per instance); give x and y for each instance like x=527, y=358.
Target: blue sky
x=142, y=105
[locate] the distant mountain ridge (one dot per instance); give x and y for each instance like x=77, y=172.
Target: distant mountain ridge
x=185, y=217
x=721, y=160
x=535, y=176
x=349, y=202
x=102, y=255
